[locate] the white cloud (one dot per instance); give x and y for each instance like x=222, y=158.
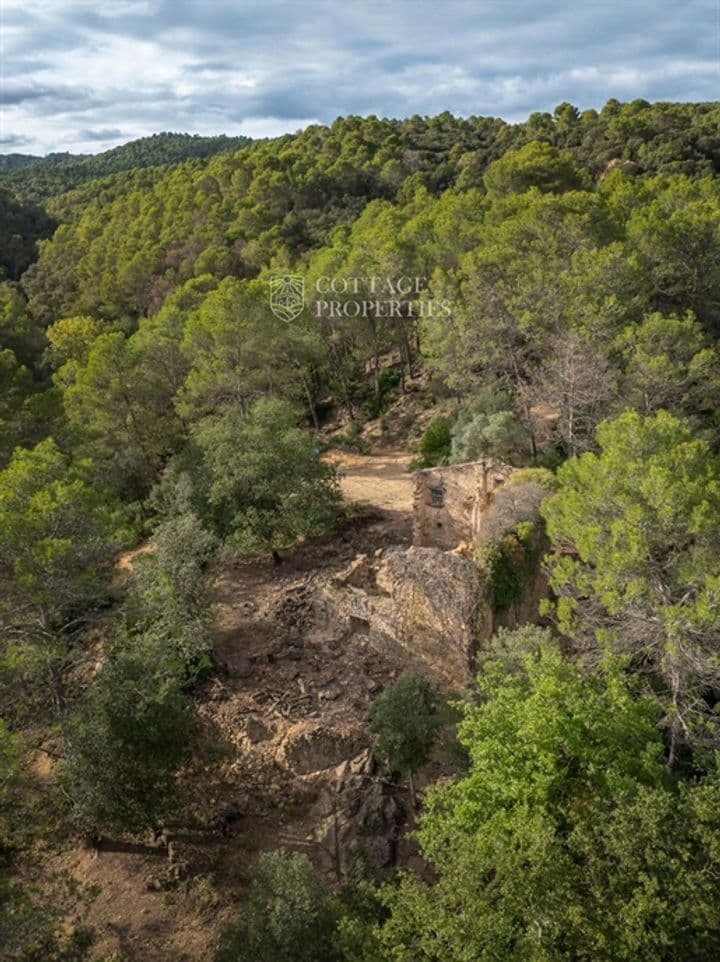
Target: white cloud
x=72, y=68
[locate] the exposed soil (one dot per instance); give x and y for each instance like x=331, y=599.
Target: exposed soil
x=278, y=727
x=379, y=481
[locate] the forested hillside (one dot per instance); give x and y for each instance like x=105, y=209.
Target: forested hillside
x=37, y=178
x=23, y=225
x=555, y=292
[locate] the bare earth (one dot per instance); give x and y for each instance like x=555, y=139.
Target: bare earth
x=378, y=480
x=283, y=682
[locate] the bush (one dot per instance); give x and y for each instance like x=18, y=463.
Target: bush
x=510, y=649
x=436, y=442
x=513, y=505
x=126, y=744
x=488, y=428
x=388, y=380
x=170, y=597
x=288, y=916
x=262, y=484
x=509, y=562
x=541, y=476
x=402, y=720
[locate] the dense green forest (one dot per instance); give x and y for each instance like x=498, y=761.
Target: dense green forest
x=37, y=178
x=148, y=392
x=23, y=225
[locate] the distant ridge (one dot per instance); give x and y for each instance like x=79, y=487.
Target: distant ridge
x=36, y=178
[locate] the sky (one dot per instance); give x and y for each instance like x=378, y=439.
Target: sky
x=85, y=75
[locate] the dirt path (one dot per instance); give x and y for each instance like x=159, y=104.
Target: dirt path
x=381, y=483
x=377, y=480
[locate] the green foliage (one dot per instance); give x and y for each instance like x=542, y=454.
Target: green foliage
x=360, y=914
x=504, y=577
x=565, y=839
x=262, y=484
x=388, y=380
x=36, y=178
x=287, y=917
x=28, y=408
x=513, y=537
x=675, y=231
x=535, y=304
x=542, y=477
x=487, y=428
x=435, y=444
x=30, y=934
x=16, y=388
x=403, y=722
x=70, y=340
x=18, y=330
x=577, y=259
x=539, y=284
x=352, y=438
x=126, y=240
x=508, y=650
x=170, y=599
x=508, y=563
x=126, y=743
x=537, y=164
x=119, y=405
x=10, y=756
x=58, y=534
x=638, y=555
x=21, y=227
x=668, y=364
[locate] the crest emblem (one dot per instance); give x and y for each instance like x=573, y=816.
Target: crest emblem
x=287, y=296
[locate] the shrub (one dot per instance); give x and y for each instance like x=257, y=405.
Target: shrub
x=436, y=442
x=402, y=719
x=288, y=916
x=509, y=562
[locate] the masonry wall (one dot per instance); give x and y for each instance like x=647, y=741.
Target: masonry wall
x=421, y=602
x=449, y=502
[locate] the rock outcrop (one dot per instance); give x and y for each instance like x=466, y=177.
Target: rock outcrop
x=360, y=820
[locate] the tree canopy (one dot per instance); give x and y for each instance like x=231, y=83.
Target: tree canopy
x=565, y=839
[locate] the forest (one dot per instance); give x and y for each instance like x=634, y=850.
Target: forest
x=34, y=178
x=152, y=405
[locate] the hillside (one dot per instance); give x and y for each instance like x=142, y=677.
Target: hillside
x=23, y=225
x=359, y=545
x=37, y=178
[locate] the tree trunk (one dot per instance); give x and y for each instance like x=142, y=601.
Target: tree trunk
x=676, y=723
x=311, y=406
x=343, y=383
x=57, y=685
x=413, y=797
x=485, y=473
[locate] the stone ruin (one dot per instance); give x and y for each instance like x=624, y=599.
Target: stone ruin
x=421, y=600
x=449, y=502
x=430, y=600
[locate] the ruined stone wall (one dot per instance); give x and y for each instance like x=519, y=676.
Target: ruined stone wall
x=422, y=602
x=449, y=502
x=435, y=596
x=428, y=608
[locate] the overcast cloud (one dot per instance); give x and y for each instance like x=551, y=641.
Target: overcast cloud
x=83, y=75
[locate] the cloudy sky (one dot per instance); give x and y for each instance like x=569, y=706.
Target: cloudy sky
x=84, y=75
